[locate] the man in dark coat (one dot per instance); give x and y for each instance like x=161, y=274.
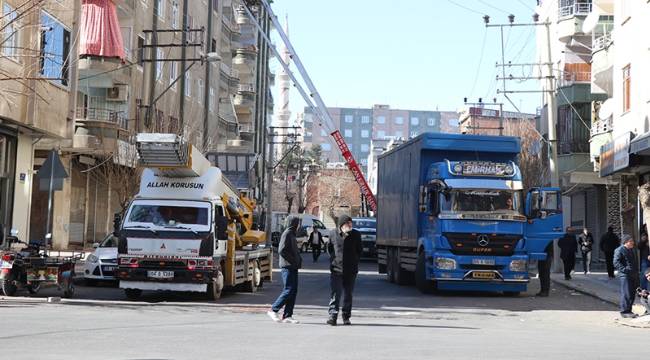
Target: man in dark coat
x=568, y=248
x=316, y=242
x=627, y=266
x=345, y=251
x=586, y=242
x=289, y=261
x=608, y=243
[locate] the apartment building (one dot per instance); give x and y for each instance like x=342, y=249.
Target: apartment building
x=104, y=74
x=575, y=27
x=359, y=126
x=621, y=129
x=485, y=121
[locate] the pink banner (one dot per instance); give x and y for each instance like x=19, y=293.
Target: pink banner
x=100, y=30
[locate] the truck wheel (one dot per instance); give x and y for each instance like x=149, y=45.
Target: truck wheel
x=425, y=286
x=256, y=282
x=133, y=294
x=390, y=272
x=401, y=276
x=215, y=287
x=8, y=287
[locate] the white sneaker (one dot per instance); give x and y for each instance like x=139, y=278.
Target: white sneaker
x=274, y=316
x=290, y=320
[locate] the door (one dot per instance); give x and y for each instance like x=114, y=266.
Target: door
x=544, y=212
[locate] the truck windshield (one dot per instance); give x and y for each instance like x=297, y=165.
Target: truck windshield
x=482, y=200
x=168, y=215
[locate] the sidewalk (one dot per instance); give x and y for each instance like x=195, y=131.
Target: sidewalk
x=598, y=285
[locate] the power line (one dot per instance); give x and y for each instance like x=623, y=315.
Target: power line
x=526, y=5
x=494, y=7
x=465, y=7
x=480, y=62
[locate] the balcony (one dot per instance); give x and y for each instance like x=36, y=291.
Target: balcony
x=100, y=129
x=244, y=102
x=568, y=8
x=241, y=17
x=230, y=76
x=571, y=78
x=245, y=59
x=571, y=16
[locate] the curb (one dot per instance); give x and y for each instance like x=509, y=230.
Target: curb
x=583, y=291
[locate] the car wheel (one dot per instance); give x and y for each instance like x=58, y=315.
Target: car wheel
x=132, y=294
x=8, y=286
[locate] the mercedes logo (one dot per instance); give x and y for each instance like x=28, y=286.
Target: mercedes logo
x=483, y=240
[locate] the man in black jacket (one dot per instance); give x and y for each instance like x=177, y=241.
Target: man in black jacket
x=290, y=261
x=608, y=243
x=586, y=242
x=627, y=266
x=316, y=242
x=568, y=248
x=345, y=251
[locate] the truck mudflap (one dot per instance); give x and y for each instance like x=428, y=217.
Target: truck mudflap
x=155, y=286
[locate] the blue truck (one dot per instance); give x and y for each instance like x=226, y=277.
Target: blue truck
x=453, y=214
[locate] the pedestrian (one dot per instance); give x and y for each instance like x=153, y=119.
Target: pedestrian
x=586, y=242
x=289, y=261
x=628, y=272
x=568, y=248
x=644, y=294
x=608, y=243
x=544, y=270
x=345, y=252
x=644, y=259
x=316, y=242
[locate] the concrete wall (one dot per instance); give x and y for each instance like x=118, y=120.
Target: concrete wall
x=23, y=186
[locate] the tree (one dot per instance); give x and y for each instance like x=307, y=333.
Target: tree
x=533, y=162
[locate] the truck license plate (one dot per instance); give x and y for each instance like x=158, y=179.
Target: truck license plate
x=483, y=262
x=483, y=275
x=160, y=274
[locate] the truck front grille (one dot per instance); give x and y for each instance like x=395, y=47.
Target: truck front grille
x=482, y=244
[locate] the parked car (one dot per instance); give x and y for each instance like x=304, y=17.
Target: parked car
x=368, y=229
x=102, y=263
x=307, y=224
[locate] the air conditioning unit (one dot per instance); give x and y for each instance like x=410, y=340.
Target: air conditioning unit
x=117, y=93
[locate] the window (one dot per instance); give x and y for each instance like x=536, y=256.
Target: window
x=10, y=33
x=175, y=14
x=213, y=45
x=55, y=48
x=326, y=147
x=188, y=84
x=365, y=133
x=365, y=119
x=415, y=121
x=399, y=120
x=626, y=88
x=159, y=8
x=322, y=132
x=381, y=119
x=140, y=50
x=364, y=147
x=211, y=105
x=398, y=134
x=414, y=134
x=349, y=118
x=431, y=122
x=159, y=63
x=381, y=134
x=348, y=133
x=200, y=90
x=173, y=73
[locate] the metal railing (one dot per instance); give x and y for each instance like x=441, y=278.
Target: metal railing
x=228, y=71
x=572, y=8
x=569, y=78
x=245, y=88
x=601, y=42
x=601, y=126
x=119, y=117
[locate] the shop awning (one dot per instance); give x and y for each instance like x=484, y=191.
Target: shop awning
x=100, y=30
x=641, y=145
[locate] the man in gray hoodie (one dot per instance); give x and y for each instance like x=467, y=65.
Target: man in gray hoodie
x=345, y=251
x=289, y=261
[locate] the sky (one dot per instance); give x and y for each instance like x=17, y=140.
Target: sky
x=416, y=55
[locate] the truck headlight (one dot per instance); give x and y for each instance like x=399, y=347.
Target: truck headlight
x=445, y=263
x=509, y=170
x=518, y=265
x=92, y=259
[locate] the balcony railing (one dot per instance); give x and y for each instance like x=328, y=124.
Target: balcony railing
x=569, y=8
x=118, y=117
x=601, y=42
x=601, y=127
x=228, y=71
x=246, y=88
x=570, y=78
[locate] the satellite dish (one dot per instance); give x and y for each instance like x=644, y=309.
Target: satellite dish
x=606, y=109
x=591, y=21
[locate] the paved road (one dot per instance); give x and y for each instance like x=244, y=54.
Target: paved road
x=390, y=322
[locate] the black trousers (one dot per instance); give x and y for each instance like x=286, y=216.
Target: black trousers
x=569, y=265
x=609, y=260
x=315, y=252
x=544, y=268
x=341, y=285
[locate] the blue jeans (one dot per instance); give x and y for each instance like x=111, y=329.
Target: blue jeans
x=287, y=297
x=628, y=290
x=644, y=266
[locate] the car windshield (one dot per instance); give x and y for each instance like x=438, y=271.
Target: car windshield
x=109, y=242
x=364, y=223
x=482, y=200
x=169, y=215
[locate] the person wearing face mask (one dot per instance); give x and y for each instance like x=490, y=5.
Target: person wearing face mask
x=345, y=251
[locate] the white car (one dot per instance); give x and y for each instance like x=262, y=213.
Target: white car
x=102, y=263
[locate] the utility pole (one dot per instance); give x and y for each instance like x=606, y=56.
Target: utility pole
x=552, y=111
x=206, y=81
x=153, y=55
x=181, y=104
